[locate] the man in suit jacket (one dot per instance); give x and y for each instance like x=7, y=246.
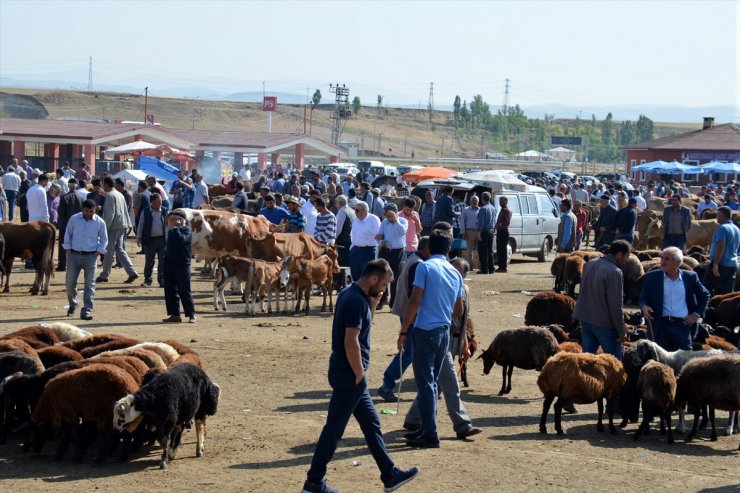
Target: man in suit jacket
x=69, y=204
x=151, y=236
x=604, y=225
x=676, y=223
x=674, y=300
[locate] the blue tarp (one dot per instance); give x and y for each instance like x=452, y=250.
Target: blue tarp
x=717, y=167
x=159, y=169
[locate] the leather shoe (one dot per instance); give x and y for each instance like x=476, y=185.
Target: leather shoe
x=469, y=432
x=387, y=395
x=423, y=442
x=482, y=272
x=101, y=279
x=86, y=316
x=131, y=279
x=174, y=319
x=411, y=426
x=412, y=435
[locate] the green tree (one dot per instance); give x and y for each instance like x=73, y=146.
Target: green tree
x=645, y=129
x=380, y=103
x=356, y=105
x=465, y=115
x=457, y=105
x=316, y=99
x=607, y=129
x=627, y=133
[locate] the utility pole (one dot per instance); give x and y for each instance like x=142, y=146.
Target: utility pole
x=430, y=105
x=342, y=111
x=146, y=102
x=505, y=112
x=89, y=77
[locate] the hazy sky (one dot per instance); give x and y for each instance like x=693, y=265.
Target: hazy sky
x=575, y=53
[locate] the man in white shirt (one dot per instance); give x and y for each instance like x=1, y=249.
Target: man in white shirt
x=310, y=213
x=364, y=248
x=61, y=180
x=245, y=173
x=68, y=172
x=38, y=210
x=641, y=204
x=201, y=191
x=11, y=183
x=580, y=193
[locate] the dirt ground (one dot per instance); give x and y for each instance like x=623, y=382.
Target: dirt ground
x=272, y=372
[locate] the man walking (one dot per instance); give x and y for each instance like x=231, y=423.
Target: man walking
x=11, y=184
x=177, y=254
x=469, y=228
x=720, y=279
x=600, y=303
x=501, y=228
x=436, y=298
x=85, y=238
x=69, y=204
x=486, y=216
x=117, y=219
x=392, y=240
x=676, y=223
x=150, y=236
x=345, y=218
x=348, y=364
x=566, y=228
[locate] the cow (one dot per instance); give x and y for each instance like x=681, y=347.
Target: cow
x=34, y=240
x=700, y=233
x=230, y=269
x=309, y=272
x=265, y=280
x=644, y=218
x=285, y=244
x=2, y=259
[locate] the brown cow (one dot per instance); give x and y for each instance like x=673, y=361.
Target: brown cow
x=284, y=244
x=35, y=240
x=230, y=269
x=309, y=272
x=644, y=218
x=265, y=280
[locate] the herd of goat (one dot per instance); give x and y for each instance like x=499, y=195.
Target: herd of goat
x=57, y=380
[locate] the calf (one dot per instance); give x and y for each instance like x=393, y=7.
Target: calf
x=265, y=279
x=230, y=269
x=308, y=272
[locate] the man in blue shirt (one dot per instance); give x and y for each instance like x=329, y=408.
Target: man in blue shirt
x=296, y=220
x=436, y=298
x=567, y=228
x=85, y=238
x=348, y=364
x=272, y=213
x=731, y=200
x=486, y=222
x=723, y=254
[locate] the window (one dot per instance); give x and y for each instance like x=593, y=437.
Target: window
x=642, y=161
x=547, y=207
x=531, y=204
x=633, y=162
x=643, y=176
x=513, y=204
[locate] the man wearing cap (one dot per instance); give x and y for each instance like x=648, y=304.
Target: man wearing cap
x=85, y=239
x=392, y=240
x=11, y=183
x=272, y=213
x=345, y=218
x=69, y=204
x=378, y=207
x=604, y=224
x=177, y=254
x=676, y=223
x=364, y=248
x=625, y=221
x=296, y=220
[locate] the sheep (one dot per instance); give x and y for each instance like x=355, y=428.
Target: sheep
x=65, y=332
x=472, y=348
x=89, y=394
x=526, y=348
x=120, y=343
x=37, y=336
x=629, y=397
x=164, y=350
x=17, y=345
x=571, y=347
x=14, y=364
x=558, y=331
x=572, y=273
x=171, y=400
x=138, y=366
x=179, y=347
x=647, y=255
x=713, y=382
x=705, y=338
x=580, y=379
x=90, y=341
x=656, y=385
x=53, y=355
x=549, y=307
x=192, y=359
x=556, y=269
x=152, y=359
x=633, y=271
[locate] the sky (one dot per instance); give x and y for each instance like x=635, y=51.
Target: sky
x=576, y=53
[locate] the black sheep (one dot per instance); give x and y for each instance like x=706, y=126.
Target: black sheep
x=171, y=401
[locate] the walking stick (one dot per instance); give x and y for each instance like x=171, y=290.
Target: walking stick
x=650, y=328
x=400, y=382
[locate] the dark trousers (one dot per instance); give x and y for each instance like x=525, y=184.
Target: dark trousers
x=154, y=248
x=485, y=251
x=502, y=241
x=343, y=254
x=62, y=262
x=678, y=241
x=723, y=284
x=349, y=399
x=394, y=257
x=672, y=335
x=11, y=194
x=177, y=289
x=24, y=214
x=358, y=259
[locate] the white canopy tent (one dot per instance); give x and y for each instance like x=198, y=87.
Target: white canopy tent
x=561, y=153
x=497, y=180
x=532, y=155
x=131, y=147
x=132, y=177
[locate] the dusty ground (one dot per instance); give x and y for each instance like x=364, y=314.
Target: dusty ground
x=272, y=372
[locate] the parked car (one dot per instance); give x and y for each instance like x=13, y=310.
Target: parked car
x=402, y=170
x=342, y=169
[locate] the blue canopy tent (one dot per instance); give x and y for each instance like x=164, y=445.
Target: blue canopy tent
x=651, y=167
x=718, y=167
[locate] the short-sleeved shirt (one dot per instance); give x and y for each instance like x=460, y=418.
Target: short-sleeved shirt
x=353, y=311
x=296, y=220
x=275, y=215
x=442, y=285
x=730, y=234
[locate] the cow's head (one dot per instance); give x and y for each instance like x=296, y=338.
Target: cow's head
x=125, y=415
x=285, y=271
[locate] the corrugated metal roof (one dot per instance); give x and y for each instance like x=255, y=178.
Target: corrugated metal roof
x=716, y=138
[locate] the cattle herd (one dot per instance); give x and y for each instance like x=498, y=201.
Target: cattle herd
x=105, y=390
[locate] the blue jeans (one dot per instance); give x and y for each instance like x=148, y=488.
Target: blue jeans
x=678, y=241
x=75, y=263
x=10, y=195
x=393, y=372
x=673, y=335
x=430, y=350
x=116, y=250
x=348, y=399
x=593, y=336
x=358, y=259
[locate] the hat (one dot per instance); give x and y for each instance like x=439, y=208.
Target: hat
x=37, y=171
x=606, y=196
x=179, y=213
x=72, y=180
x=390, y=206
x=291, y=199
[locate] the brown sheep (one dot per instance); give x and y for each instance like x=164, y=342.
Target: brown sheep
x=656, y=385
x=549, y=307
x=647, y=255
x=120, y=343
x=179, y=347
x=90, y=341
x=17, y=346
x=556, y=269
x=190, y=358
x=150, y=358
x=571, y=347
x=559, y=332
x=713, y=381
x=53, y=355
x=88, y=394
x=527, y=348
x=580, y=379
x=572, y=273
x=133, y=362
x=37, y=336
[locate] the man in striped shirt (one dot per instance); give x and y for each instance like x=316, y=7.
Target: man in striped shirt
x=296, y=220
x=326, y=223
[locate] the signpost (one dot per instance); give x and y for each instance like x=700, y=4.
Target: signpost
x=269, y=104
x=565, y=141
x=150, y=119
